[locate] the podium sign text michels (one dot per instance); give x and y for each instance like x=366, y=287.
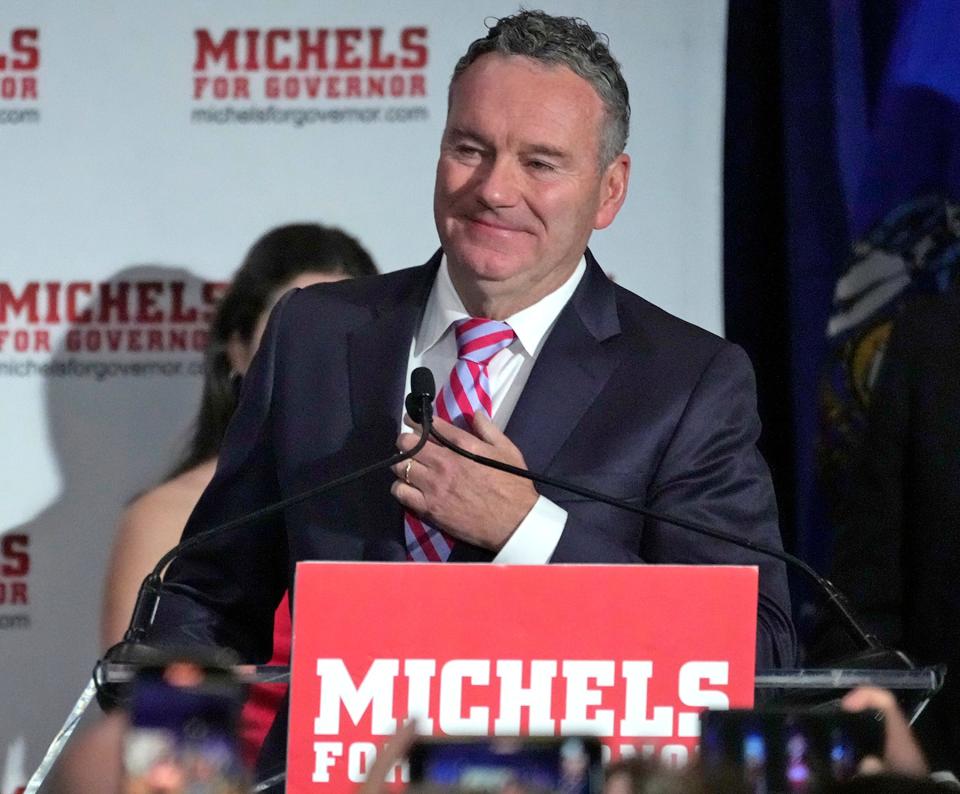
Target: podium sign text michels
x=631, y=653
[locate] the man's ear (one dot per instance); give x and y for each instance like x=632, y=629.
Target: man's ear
x=613, y=191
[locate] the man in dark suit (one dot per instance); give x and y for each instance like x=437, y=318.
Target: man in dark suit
x=597, y=385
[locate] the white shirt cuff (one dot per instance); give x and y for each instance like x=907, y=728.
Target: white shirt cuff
x=534, y=541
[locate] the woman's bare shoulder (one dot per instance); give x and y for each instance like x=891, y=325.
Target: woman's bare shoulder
x=166, y=508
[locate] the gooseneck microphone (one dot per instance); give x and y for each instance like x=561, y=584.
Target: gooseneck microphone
x=874, y=653
x=132, y=649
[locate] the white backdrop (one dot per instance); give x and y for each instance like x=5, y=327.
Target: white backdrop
x=113, y=173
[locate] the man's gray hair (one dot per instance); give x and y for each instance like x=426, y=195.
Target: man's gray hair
x=570, y=42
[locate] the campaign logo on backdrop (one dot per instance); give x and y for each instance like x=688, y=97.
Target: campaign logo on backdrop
x=298, y=76
x=93, y=329
x=19, y=76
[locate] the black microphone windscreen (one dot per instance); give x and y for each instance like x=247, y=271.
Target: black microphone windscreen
x=421, y=383
x=421, y=387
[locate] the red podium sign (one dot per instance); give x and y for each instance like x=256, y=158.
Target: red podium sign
x=631, y=653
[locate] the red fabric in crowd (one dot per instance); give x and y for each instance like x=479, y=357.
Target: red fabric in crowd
x=264, y=699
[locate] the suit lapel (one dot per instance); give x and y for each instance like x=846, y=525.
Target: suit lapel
x=378, y=353
x=570, y=371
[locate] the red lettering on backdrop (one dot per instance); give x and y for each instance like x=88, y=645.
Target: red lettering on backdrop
x=25, y=50
x=25, y=303
x=312, y=46
x=377, y=58
x=211, y=293
x=347, y=56
x=14, y=556
x=210, y=51
x=12, y=87
x=53, y=302
x=74, y=290
x=177, y=312
x=273, y=61
x=147, y=311
x=114, y=302
x=413, y=42
x=252, y=37
x=23, y=44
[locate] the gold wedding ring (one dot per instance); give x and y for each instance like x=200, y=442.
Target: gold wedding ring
x=406, y=471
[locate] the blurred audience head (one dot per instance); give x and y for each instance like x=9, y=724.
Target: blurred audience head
x=886, y=783
x=645, y=776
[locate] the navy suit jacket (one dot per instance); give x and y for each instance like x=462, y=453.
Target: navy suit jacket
x=624, y=399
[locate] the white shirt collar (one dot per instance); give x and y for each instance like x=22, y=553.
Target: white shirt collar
x=531, y=325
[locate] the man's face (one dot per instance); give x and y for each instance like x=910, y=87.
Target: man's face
x=519, y=188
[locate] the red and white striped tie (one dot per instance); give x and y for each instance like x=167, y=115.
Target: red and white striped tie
x=467, y=391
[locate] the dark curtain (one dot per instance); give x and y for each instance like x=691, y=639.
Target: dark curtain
x=840, y=168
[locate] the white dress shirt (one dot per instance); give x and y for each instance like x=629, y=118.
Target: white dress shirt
x=435, y=346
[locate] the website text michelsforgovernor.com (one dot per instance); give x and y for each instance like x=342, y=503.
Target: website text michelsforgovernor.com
x=19, y=116
x=14, y=622
x=99, y=370
x=299, y=117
